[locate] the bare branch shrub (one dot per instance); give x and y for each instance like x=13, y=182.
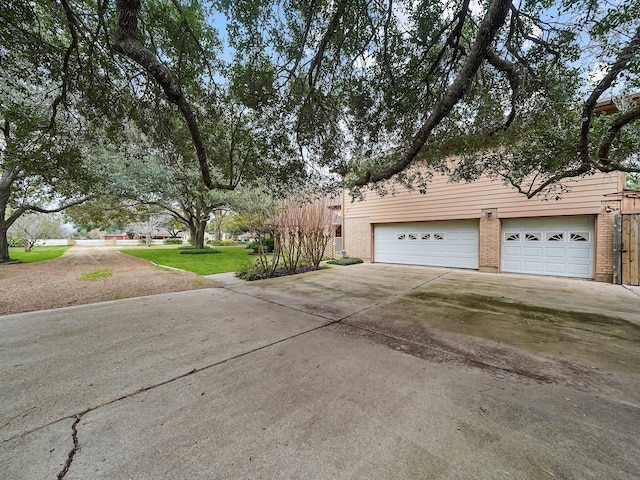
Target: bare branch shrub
x=317, y=230
x=303, y=231
x=289, y=234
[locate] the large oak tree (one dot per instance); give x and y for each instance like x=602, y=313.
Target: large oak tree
x=366, y=89
x=369, y=88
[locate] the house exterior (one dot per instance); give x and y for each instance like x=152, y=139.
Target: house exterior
x=490, y=227
x=158, y=234
x=247, y=237
x=119, y=235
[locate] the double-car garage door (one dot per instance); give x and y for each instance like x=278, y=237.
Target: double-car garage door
x=559, y=246
x=437, y=244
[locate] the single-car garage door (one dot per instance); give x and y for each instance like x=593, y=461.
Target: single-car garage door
x=559, y=246
x=438, y=244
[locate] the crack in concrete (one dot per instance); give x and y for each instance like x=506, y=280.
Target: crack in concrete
x=74, y=450
x=17, y=415
x=234, y=357
x=78, y=416
x=465, y=358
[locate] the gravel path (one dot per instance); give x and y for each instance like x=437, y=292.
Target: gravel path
x=56, y=283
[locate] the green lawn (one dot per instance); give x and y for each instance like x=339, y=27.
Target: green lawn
x=37, y=254
x=230, y=259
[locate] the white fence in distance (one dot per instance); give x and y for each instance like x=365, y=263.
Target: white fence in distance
x=95, y=243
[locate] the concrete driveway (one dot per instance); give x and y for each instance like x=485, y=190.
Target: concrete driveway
x=367, y=371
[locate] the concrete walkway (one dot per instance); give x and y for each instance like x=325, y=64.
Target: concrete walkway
x=367, y=371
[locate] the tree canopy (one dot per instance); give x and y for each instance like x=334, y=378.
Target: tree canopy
x=367, y=89
x=278, y=93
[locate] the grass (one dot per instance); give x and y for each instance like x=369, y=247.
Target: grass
x=95, y=275
x=230, y=259
x=38, y=254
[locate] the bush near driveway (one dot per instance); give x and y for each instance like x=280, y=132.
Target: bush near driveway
x=172, y=241
x=229, y=259
x=345, y=261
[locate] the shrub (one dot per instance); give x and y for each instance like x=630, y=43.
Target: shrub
x=197, y=251
x=15, y=242
x=345, y=261
x=222, y=243
x=256, y=271
x=172, y=241
x=267, y=245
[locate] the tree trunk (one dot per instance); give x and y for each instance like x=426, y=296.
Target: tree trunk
x=192, y=234
x=198, y=238
x=6, y=180
x=4, y=243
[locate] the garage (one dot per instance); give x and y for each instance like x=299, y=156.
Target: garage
x=558, y=246
x=437, y=244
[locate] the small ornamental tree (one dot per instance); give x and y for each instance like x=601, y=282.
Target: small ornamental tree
x=148, y=226
x=33, y=228
x=257, y=211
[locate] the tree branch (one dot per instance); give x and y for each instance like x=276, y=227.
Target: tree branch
x=530, y=193
x=305, y=36
x=331, y=28
x=62, y=97
x=492, y=22
x=510, y=72
x=625, y=56
x=127, y=42
x=35, y=208
x=187, y=25
x=622, y=121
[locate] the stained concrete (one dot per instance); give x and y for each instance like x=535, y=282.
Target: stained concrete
x=366, y=371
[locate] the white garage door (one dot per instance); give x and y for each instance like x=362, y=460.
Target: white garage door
x=559, y=246
x=439, y=244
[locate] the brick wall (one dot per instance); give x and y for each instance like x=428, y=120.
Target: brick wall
x=489, y=254
x=604, y=240
x=357, y=237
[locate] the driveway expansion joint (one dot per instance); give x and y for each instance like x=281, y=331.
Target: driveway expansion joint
x=333, y=320
x=234, y=357
x=632, y=290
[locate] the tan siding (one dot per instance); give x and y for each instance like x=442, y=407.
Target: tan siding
x=450, y=201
